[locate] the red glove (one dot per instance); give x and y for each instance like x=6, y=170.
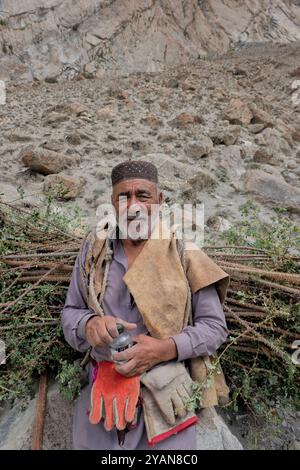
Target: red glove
x=113, y=397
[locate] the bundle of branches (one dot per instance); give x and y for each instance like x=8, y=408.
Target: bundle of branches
x=37, y=250
x=262, y=307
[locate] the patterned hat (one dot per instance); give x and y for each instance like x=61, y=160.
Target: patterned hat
x=134, y=169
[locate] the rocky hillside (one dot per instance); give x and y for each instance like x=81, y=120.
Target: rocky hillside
x=56, y=39
x=221, y=131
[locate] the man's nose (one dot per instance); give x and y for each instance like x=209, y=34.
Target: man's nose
x=134, y=209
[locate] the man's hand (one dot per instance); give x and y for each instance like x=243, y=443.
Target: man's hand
x=100, y=331
x=146, y=353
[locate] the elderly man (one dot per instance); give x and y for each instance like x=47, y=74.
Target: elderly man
x=169, y=298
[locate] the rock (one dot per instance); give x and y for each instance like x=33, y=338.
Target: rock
x=238, y=112
x=129, y=36
x=286, y=130
x=152, y=121
x=268, y=155
x=199, y=148
x=291, y=177
x=55, y=118
x=201, y=181
x=73, y=139
x=16, y=426
x=77, y=108
x=184, y=120
x=256, y=128
x=296, y=444
x=273, y=189
x=276, y=147
x=213, y=433
x=292, y=165
x=58, y=421
x=218, y=223
x=229, y=161
x=263, y=155
x=90, y=70
x=296, y=135
x=166, y=137
x=105, y=113
x=139, y=144
x=186, y=85
x=119, y=94
x=169, y=168
x=295, y=73
x=53, y=144
x=20, y=137
x=227, y=136
x=172, y=83
x=53, y=73
x=239, y=71
x=44, y=161
x=92, y=39
x=260, y=116
x=62, y=186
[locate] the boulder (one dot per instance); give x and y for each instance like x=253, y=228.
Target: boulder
x=166, y=137
x=228, y=159
x=169, y=168
x=105, y=113
x=271, y=140
x=201, y=181
x=20, y=137
x=53, y=72
x=90, y=70
x=273, y=189
x=54, y=118
x=152, y=121
x=45, y=161
x=218, y=223
x=62, y=186
x=226, y=136
x=287, y=131
x=184, y=120
x=238, y=112
x=199, y=148
x=213, y=433
x=77, y=108
x=260, y=116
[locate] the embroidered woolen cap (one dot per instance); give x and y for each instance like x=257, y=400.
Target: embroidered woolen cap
x=134, y=169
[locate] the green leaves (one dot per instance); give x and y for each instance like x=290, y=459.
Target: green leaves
x=70, y=379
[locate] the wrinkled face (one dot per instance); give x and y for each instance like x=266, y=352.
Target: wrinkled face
x=136, y=202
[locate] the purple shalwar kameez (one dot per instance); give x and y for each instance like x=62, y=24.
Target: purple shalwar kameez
x=202, y=339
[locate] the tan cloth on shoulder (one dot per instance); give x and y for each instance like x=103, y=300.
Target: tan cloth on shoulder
x=156, y=280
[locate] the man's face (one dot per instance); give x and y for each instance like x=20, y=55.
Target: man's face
x=136, y=202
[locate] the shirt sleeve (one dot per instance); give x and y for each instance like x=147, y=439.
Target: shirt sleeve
x=75, y=312
x=209, y=330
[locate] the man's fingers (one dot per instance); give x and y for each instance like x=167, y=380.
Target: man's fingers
x=106, y=338
x=127, y=325
x=128, y=369
x=111, y=326
x=102, y=336
x=126, y=355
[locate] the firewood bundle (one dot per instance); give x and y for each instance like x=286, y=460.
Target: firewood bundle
x=261, y=308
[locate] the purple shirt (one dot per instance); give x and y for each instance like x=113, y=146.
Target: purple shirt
x=202, y=339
